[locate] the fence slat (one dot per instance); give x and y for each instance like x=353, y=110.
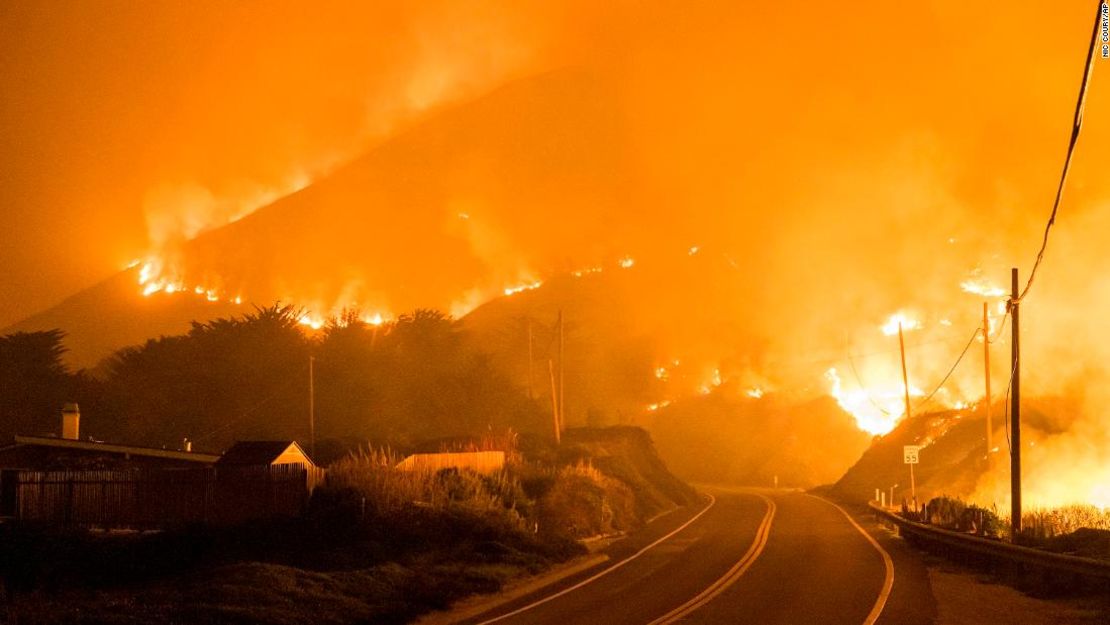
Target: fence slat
x=161, y=498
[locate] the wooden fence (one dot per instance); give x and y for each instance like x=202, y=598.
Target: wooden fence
x=160, y=498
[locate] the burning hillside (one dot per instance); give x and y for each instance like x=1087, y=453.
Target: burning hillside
x=791, y=229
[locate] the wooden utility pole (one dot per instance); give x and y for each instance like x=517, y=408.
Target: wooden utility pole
x=554, y=403
x=987, y=374
x=531, y=374
x=906, y=389
x=562, y=370
x=1015, y=410
x=311, y=408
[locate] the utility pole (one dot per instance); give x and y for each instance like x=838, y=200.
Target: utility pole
x=531, y=373
x=987, y=374
x=562, y=371
x=1015, y=410
x=311, y=408
x=906, y=389
x=554, y=403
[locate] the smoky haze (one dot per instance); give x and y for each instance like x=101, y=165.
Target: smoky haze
x=838, y=167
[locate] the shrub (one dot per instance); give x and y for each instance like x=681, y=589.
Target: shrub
x=952, y=513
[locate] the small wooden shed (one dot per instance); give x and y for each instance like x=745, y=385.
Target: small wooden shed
x=265, y=453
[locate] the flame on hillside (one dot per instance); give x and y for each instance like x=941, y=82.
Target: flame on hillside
x=877, y=410
x=157, y=276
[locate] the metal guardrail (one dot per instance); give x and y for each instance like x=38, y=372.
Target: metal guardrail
x=997, y=551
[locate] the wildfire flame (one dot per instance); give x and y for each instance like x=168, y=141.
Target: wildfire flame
x=890, y=328
x=978, y=286
x=513, y=290
x=877, y=411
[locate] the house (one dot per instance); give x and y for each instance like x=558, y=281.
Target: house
x=45, y=453
x=76, y=483
x=69, y=452
x=265, y=453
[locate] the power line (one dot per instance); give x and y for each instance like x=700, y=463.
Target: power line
x=1076, y=126
x=249, y=411
x=859, y=381
x=1001, y=327
x=1006, y=419
x=974, y=335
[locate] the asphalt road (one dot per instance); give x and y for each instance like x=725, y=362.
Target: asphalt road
x=746, y=556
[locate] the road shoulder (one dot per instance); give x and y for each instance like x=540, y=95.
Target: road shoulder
x=967, y=597
x=959, y=595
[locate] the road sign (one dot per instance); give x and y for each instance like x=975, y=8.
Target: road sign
x=909, y=454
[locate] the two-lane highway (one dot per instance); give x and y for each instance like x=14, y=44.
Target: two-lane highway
x=746, y=556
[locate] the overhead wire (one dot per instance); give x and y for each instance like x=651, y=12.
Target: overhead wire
x=863, y=387
x=950, y=370
x=1006, y=418
x=1077, y=124
x=249, y=411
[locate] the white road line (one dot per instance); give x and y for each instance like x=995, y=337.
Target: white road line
x=888, y=581
x=730, y=577
x=712, y=500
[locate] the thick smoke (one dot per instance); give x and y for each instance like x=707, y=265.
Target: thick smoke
x=827, y=181
x=830, y=169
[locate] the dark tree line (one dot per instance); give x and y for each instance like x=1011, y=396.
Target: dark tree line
x=34, y=382
x=248, y=378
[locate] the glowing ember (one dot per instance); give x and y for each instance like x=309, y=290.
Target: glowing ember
x=584, y=272
x=755, y=393
x=627, y=262
x=661, y=373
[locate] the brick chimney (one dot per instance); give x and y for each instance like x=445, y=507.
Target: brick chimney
x=71, y=422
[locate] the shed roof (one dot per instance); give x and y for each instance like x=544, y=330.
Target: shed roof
x=111, y=449
x=259, y=452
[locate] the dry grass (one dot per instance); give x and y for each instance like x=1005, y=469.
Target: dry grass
x=1047, y=523
x=387, y=491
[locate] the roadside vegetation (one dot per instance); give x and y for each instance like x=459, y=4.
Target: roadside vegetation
x=1081, y=530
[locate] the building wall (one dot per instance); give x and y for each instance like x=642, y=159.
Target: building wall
x=478, y=461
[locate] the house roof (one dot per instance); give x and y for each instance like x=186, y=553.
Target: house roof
x=258, y=452
x=109, y=448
